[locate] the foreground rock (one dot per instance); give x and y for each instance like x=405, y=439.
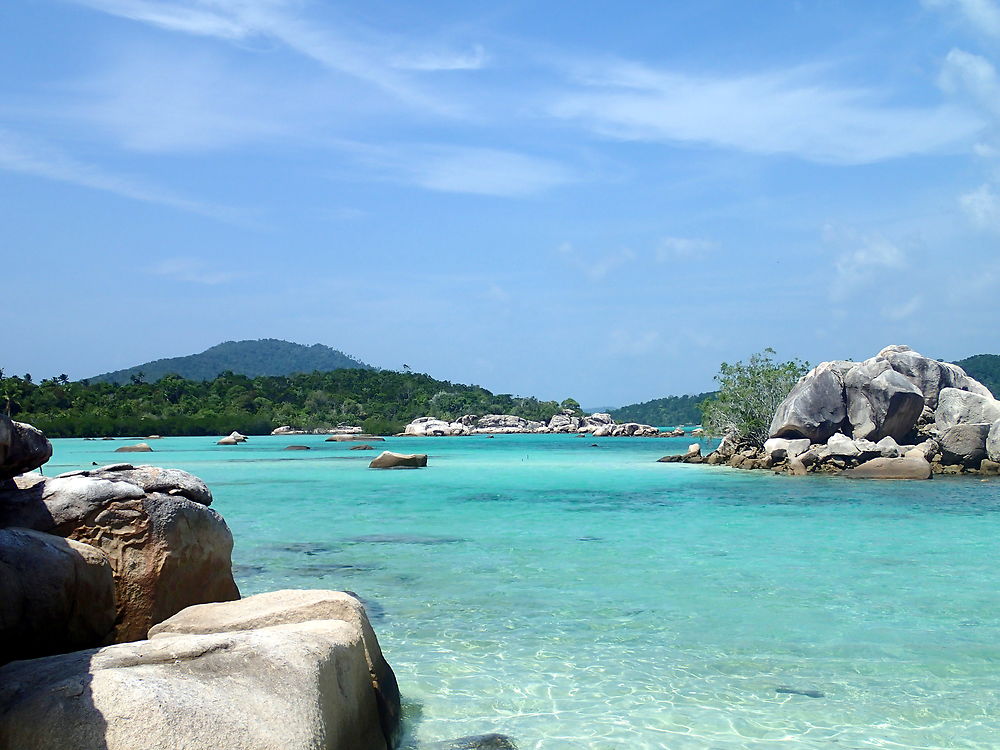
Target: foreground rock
x=56, y=595
x=293, y=606
x=963, y=407
x=390, y=460
x=167, y=549
x=993, y=442
x=964, y=444
x=301, y=686
x=22, y=448
x=891, y=468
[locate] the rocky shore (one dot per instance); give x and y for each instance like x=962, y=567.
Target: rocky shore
x=121, y=625
x=898, y=415
x=565, y=422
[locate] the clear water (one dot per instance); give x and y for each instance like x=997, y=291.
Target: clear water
x=581, y=597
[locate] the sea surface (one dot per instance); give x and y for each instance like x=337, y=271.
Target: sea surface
x=574, y=596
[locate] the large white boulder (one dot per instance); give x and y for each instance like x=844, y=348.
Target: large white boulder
x=993, y=442
x=816, y=407
x=880, y=401
x=291, y=606
x=790, y=448
x=964, y=407
x=301, y=686
x=929, y=375
x=964, y=444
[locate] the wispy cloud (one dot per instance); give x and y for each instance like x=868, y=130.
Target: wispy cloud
x=475, y=59
x=861, y=261
x=791, y=112
x=983, y=207
x=458, y=169
x=350, y=49
x=28, y=156
x=983, y=15
x=595, y=269
x=194, y=271
x=682, y=248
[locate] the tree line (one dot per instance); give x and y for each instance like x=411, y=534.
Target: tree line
x=380, y=401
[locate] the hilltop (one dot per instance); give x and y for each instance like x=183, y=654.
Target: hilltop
x=985, y=368
x=669, y=411
x=252, y=358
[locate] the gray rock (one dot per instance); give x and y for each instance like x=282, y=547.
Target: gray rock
x=993, y=442
x=292, y=606
x=167, y=551
x=792, y=448
x=22, y=448
x=301, y=686
x=926, y=450
x=928, y=375
x=816, y=407
x=390, y=460
x=841, y=445
x=964, y=444
x=962, y=407
x=56, y=595
x=891, y=468
x=880, y=401
x=889, y=448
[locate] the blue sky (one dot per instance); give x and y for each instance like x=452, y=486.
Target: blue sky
x=595, y=199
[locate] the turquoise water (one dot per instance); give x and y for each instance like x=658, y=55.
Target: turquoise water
x=581, y=597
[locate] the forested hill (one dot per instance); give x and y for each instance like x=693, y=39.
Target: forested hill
x=251, y=358
x=985, y=368
x=381, y=401
x=669, y=411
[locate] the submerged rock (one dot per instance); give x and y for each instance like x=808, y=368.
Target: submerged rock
x=390, y=460
x=137, y=448
x=475, y=742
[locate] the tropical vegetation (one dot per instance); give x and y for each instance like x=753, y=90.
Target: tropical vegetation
x=670, y=411
x=381, y=401
x=748, y=396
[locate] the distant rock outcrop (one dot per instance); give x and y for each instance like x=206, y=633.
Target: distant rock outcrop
x=885, y=417
x=565, y=422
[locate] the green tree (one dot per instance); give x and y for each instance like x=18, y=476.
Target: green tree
x=749, y=394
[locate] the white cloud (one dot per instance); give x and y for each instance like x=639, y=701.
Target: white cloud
x=678, y=248
x=481, y=171
x=984, y=15
x=633, y=343
x=595, y=269
x=972, y=76
x=863, y=261
x=903, y=310
x=781, y=112
x=194, y=271
x=442, y=61
x=983, y=206
x=27, y=156
x=350, y=49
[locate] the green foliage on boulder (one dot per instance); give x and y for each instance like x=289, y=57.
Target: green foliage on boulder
x=748, y=396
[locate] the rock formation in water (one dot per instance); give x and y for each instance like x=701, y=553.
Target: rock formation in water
x=565, y=422
x=896, y=415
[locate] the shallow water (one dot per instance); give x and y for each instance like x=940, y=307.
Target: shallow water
x=582, y=597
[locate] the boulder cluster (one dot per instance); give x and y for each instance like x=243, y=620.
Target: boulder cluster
x=898, y=415
x=565, y=422
x=121, y=625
